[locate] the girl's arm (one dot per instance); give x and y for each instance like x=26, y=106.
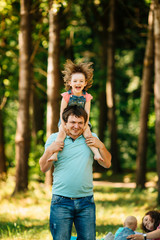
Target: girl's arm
x=63, y=106
x=151, y=235
x=87, y=109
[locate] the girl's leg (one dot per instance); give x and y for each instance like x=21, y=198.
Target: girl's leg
x=60, y=138
x=97, y=155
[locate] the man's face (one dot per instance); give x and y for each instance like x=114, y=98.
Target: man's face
x=75, y=126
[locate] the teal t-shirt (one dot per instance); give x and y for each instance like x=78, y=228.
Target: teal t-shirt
x=73, y=170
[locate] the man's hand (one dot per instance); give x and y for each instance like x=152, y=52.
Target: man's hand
x=106, y=156
x=94, y=142
x=56, y=147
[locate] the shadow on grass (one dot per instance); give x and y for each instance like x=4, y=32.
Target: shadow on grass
x=104, y=189
x=122, y=196
x=8, y=228
x=104, y=229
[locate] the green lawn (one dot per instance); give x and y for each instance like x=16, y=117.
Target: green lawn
x=25, y=216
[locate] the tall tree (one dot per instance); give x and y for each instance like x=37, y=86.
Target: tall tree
x=23, y=130
x=3, y=99
x=145, y=100
x=157, y=85
x=53, y=75
x=102, y=93
x=110, y=88
x=37, y=113
x=3, y=168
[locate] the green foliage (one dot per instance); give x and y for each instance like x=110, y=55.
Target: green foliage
x=37, y=150
x=83, y=37
x=10, y=117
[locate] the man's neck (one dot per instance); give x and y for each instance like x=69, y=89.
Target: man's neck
x=73, y=137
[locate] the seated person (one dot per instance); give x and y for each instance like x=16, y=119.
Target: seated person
x=130, y=225
x=150, y=225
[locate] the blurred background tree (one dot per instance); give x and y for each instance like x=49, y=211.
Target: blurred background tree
x=86, y=33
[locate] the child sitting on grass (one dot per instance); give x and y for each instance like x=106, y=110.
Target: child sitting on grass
x=130, y=225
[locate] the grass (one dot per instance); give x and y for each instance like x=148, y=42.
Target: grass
x=26, y=215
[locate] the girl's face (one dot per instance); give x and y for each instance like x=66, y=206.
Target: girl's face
x=148, y=222
x=77, y=83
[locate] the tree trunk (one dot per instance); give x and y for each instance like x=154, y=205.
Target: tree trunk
x=145, y=99
x=157, y=86
x=102, y=126
x=110, y=88
x=53, y=78
x=102, y=93
x=37, y=115
x=23, y=131
x=3, y=168
x=102, y=115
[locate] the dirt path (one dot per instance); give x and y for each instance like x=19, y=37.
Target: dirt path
x=120, y=184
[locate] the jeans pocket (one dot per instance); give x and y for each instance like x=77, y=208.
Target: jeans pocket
x=56, y=199
x=90, y=199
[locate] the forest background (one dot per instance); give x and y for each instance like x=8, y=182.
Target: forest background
x=122, y=39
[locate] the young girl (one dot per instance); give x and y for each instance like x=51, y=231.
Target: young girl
x=78, y=78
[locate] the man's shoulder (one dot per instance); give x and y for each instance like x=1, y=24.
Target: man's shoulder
x=94, y=134
x=53, y=135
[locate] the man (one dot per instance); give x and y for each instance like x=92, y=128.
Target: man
x=72, y=199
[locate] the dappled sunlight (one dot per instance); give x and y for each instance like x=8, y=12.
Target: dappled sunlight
x=113, y=205
x=26, y=212
x=26, y=215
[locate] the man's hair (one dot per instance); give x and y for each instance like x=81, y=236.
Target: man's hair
x=75, y=111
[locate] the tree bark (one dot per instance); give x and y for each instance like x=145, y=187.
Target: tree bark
x=37, y=114
x=102, y=93
x=110, y=89
x=53, y=78
x=157, y=86
x=3, y=168
x=145, y=100
x=23, y=130
x=102, y=115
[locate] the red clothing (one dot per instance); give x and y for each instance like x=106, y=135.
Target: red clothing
x=157, y=228
x=66, y=96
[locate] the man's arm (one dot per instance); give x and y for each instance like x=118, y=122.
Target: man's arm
x=95, y=142
x=43, y=162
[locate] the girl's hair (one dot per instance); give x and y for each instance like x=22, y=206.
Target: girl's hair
x=155, y=215
x=71, y=68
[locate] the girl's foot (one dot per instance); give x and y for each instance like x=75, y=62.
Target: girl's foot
x=98, y=157
x=53, y=158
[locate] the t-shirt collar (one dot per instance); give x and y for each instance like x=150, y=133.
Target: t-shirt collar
x=74, y=139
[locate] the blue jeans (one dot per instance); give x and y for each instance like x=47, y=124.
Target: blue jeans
x=64, y=212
